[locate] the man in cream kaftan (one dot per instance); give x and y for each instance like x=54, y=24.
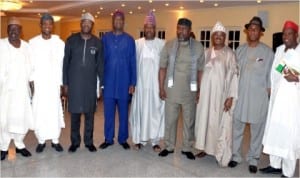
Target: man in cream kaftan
x=147, y=109
x=213, y=128
x=282, y=133
x=47, y=52
x=15, y=108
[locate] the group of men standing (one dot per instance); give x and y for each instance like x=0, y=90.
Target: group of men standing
x=218, y=91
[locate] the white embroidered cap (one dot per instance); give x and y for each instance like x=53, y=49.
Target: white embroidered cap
x=219, y=27
x=88, y=16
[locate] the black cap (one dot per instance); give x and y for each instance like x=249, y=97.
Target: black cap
x=255, y=21
x=185, y=22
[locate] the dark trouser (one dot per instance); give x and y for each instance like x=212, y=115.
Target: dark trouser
x=88, y=128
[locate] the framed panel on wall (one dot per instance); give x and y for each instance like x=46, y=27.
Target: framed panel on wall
x=102, y=32
x=204, y=37
x=160, y=33
x=233, y=37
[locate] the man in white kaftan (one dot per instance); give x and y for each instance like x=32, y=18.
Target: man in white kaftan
x=147, y=109
x=282, y=133
x=15, y=108
x=47, y=52
x=218, y=91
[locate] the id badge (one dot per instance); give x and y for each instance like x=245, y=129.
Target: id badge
x=193, y=86
x=170, y=83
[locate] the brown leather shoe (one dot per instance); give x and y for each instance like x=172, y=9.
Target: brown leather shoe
x=201, y=154
x=138, y=146
x=156, y=148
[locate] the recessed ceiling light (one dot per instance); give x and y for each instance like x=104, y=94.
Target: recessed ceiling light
x=181, y=7
x=56, y=18
x=153, y=10
x=101, y=8
x=139, y=7
x=123, y=5
x=258, y=1
x=83, y=10
x=167, y=4
x=150, y=1
x=31, y=1
x=111, y=14
x=96, y=16
x=216, y=4
x=130, y=12
x=201, y=1
x=98, y=12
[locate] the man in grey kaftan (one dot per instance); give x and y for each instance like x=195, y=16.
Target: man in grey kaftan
x=255, y=61
x=181, y=65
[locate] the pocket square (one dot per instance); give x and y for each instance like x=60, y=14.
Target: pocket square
x=259, y=59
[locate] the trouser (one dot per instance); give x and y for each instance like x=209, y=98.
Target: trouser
x=153, y=142
x=42, y=141
x=88, y=128
x=6, y=137
x=288, y=166
x=171, y=122
x=110, y=105
x=256, y=132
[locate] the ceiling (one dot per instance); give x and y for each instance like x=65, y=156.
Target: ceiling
x=101, y=8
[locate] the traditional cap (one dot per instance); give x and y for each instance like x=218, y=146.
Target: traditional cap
x=118, y=13
x=185, y=22
x=255, y=21
x=150, y=19
x=219, y=27
x=290, y=24
x=13, y=21
x=46, y=16
x=87, y=16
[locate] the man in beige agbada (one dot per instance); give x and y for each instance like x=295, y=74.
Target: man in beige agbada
x=218, y=91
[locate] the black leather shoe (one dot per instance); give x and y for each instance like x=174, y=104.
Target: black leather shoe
x=24, y=152
x=91, y=148
x=125, y=145
x=40, y=148
x=57, y=147
x=188, y=154
x=252, y=169
x=165, y=153
x=73, y=148
x=3, y=155
x=270, y=170
x=232, y=164
x=105, y=145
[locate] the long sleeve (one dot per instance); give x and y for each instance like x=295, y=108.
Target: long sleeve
x=233, y=85
x=100, y=64
x=66, y=62
x=270, y=62
x=60, y=56
x=3, y=57
x=133, y=76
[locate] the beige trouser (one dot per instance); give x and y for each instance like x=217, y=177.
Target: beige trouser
x=288, y=166
x=6, y=137
x=171, y=122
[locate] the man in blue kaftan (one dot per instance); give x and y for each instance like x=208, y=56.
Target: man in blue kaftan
x=119, y=80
